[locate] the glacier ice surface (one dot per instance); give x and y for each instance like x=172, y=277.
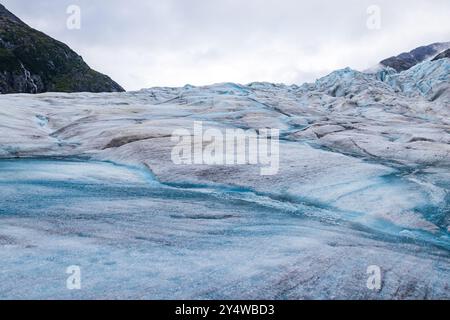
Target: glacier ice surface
x=86, y=179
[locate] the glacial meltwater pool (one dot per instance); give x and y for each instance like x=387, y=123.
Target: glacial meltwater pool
x=135, y=238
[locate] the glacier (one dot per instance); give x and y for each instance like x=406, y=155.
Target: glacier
x=87, y=179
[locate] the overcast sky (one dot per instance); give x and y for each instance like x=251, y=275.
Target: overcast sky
x=144, y=43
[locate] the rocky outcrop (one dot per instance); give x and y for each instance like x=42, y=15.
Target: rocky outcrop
x=406, y=60
x=32, y=62
x=442, y=55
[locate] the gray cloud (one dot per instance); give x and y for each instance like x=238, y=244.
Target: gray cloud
x=143, y=43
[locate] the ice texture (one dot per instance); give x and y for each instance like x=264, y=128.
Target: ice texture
x=87, y=179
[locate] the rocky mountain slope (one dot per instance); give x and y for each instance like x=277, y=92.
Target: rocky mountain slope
x=406, y=60
x=32, y=62
x=444, y=54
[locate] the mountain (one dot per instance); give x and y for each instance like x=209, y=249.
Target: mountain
x=406, y=60
x=444, y=54
x=32, y=62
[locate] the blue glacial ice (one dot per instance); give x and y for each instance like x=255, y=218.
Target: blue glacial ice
x=134, y=237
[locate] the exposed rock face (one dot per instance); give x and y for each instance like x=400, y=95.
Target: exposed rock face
x=406, y=60
x=442, y=55
x=32, y=62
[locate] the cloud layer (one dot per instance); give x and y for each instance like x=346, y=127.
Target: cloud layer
x=143, y=43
